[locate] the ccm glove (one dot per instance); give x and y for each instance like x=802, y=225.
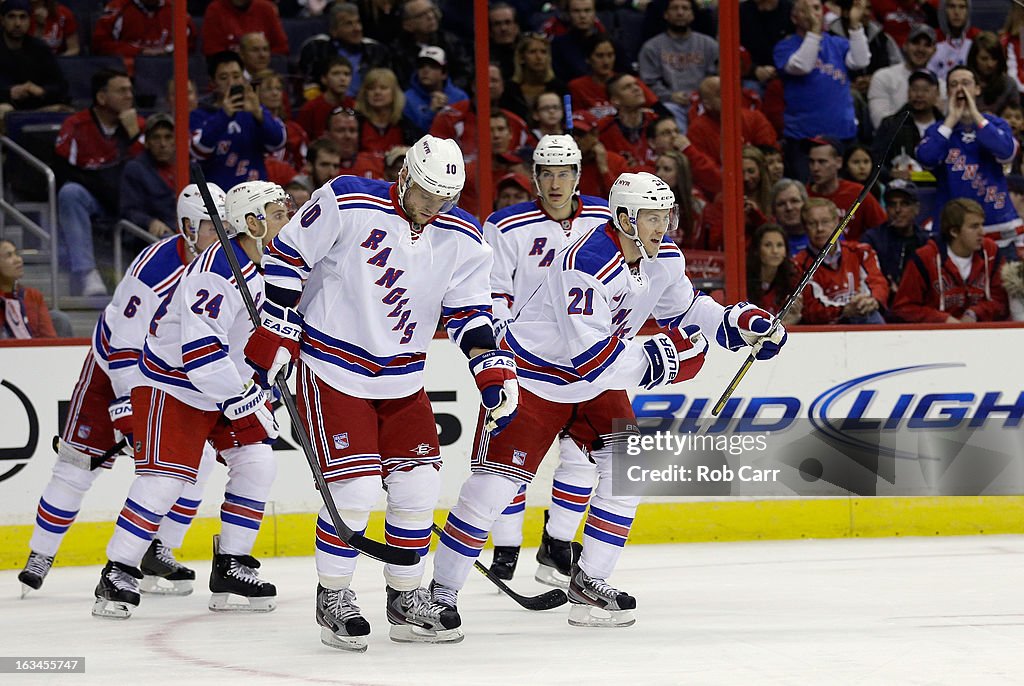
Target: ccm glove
x=745, y=324
x=674, y=357
x=274, y=345
x=121, y=417
x=495, y=374
x=251, y=416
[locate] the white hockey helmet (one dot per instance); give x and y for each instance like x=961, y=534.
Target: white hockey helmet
x=644, y=191
x=436, y=165
x=557, y=150
x=192, y=207
x=252, y=198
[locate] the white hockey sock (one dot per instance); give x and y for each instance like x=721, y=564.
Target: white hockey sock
x=481, y=499
x=251, y=472
x=608, y=523
x=508, y=527
x=149, y=499
x=59, y=505
x=354, y=498
x=571, y=490
x=412, y=496
x=179, y=517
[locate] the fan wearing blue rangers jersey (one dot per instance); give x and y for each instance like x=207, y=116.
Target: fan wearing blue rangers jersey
x=574, y=346
x=526, y=239
x=100, y=414
x=376, y=265
x=195, y=388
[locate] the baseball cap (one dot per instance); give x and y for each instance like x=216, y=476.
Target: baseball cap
x=14, y=5
x=908, y=188
x=160, y=118
x=825, y=140
x=922, y=30
x=584, y=120
x=923, y=74
x=515, y=180
x=432, y=53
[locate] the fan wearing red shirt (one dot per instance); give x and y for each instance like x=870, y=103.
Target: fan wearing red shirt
x=137, y=27
x=590, y=92
x=226, y=21
x=600, y=166
x=705, y=127
x=824, y=161
x=334, y=76
x=55, y=25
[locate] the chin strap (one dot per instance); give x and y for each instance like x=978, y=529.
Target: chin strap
x=638, y=243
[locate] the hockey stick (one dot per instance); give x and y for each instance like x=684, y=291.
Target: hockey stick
x=96, y=461
x=809, y=274
x=379, y=551
x=545, y=601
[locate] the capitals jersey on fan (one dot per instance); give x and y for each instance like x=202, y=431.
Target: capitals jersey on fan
x=573, y=339
x=121, y=330
x=525, y=240
x=373, y=294
x=195, y=347
x=968, y=162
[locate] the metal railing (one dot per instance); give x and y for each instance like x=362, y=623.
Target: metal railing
x=6, y=208
x=122, y=227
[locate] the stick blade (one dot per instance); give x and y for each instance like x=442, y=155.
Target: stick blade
x=385, y=553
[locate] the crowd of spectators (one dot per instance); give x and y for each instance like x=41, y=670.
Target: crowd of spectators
x=826, y=84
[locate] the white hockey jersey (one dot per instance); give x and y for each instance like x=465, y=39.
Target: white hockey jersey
x=373, y=295
x=121, y=330
x=525, y=240
x=573, y=339
x=195, y=348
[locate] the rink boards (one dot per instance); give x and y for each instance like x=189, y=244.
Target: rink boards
x=930, y=373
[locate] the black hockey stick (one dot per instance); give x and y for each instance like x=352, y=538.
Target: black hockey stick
x=96, y=461
x=809, y=274
x=380, y=551
x=544, y=601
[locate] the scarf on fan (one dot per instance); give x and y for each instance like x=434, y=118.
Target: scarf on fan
x=15, y=322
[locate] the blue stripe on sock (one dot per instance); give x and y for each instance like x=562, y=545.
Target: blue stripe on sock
x=611, y=517
x=229, y=518
x=459, y=547
x=567, y=505
x=134, y=530
x=569, y=488
x=514, y=509
x=180, y=519
x=56, y=510
x=604, y=536
x=52, y=528
x=325, y=547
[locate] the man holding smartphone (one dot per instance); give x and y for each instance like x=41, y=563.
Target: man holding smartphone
x=231, y=138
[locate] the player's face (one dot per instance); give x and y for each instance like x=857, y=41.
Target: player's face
x=206, y=235
x=772, y=249
x=969, y=236
x=820, y=223
x=652, y=225
x=420, y=205
x=556, y=183
x=277, y=215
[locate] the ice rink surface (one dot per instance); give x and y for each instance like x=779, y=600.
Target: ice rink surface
x=851, y=611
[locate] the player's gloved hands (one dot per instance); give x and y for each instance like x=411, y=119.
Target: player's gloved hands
x=121, y=417
x=674, y=357
x=745, y=324
x=251, y=416
x=274, y=345
x=495, y=374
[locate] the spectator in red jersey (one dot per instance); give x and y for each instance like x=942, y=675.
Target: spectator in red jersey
x=706, y=122
x=343, y=129
x=849, y=286
x=148, y=199
x=270, y=88
x=898, y=17
x=673, y=168
x=29, y=76
x=590, y=91
x=137, y=27
x=512, y=190
x=1010, y=37
x=92, y=148
x=532, y=76
x=55, y=24
x=503, y=161
x=772, y=275
x=625, y=132
x=957, y=278
x=334, y=76
x=663, y=135
x=380, y=102
x=504, y=34
x=226, y=21
x=757, y=188
x=825, y=161
x=788, y=200
x=600, y=166
x=23, y=312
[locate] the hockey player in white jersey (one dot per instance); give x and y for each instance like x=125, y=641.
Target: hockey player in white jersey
x=574, y=348
x=100, y=413
x=525, y=239
x=198, y=388
x=376, y=265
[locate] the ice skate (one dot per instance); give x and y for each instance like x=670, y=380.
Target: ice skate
x=236, y=585
x=503, y=564
x=162, y=574
x=554, y=558
x=36, y=569
x=424, y=615
x=117, y=593
x=594, y=602
x=343, y=625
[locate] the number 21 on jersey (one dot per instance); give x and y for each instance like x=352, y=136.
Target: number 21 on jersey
x=579, y=296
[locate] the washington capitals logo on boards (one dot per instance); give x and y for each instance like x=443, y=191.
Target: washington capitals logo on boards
x=519, y=457
x=341, y=441
x=422, y=449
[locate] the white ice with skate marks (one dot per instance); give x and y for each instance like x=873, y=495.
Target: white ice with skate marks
x=871, y=611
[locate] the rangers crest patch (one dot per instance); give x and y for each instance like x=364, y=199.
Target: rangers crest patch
x=341, y=441
x=519, y=457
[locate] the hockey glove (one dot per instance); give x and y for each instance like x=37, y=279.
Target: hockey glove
x=745, y=324
x=495, y=374
x=674, y=357
x=121, y=417
x=251, y=416
x=274, y=346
